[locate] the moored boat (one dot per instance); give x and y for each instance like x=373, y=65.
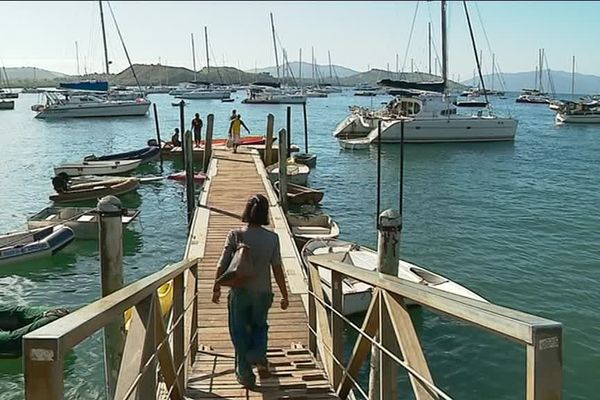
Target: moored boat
x=357, y=295
x=83, y=221
x=297, y=194
x=97, y=167
x=7, y=105
x=296, y=173
x=146, y=154
x=94, y=190
x=33, y=244
x=199, y=177
x=308, y=159
x=354, y=144
x=312, y=226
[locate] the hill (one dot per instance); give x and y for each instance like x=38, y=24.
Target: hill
x=322, y=70
x=515, y=81
x=31, y=73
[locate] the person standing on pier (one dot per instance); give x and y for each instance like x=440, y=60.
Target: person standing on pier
x=235, y=128
x=233, y=115
x=248, y=305
x=197, y=129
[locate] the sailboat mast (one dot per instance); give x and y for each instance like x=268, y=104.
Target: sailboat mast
x=77, y=56
x=274, y=45
x=193, y=57
x=493, y=68
x=206, y=45
x=573, y=79
x=330, y=68
x=429, y=30
x=444, y=47
x=106, y=62
x=300, y=71
x=312, y=50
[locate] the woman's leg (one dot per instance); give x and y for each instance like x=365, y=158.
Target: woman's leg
x=239, y=329
x=259, y=328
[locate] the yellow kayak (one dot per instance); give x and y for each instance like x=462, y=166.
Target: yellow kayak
x=165, y=297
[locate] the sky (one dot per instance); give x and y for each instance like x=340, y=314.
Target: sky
x=360, y=35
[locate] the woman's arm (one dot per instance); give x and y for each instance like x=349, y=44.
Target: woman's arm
x=226, y=256
x=245, y=127
x=278, y=274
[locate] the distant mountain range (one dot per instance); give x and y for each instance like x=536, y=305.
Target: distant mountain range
x=322, y=70
x=515, y=81
x=31, y=73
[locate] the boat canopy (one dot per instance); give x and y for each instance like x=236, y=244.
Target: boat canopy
x=96, y=86
x=400, y=84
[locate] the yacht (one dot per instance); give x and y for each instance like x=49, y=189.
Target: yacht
x=88, y=105
x=206, y=93
x=428, y=118
x=533, y=96
x=427, y=114
x=271, y=94
x=579, y=112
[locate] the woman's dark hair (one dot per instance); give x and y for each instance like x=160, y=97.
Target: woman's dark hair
x=257, y=210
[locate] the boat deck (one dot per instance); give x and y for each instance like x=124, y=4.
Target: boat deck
x=295, y=372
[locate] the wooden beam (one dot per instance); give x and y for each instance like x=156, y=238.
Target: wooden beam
x=165, y=359
x=312, y=320
x=407, y=338
x=139, y=347
x=512, y=324
x=544, y=365
x=322, y=321
x=362, y=347
x=179, y=329
x=337, y=327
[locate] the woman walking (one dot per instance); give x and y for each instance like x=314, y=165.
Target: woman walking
x=249, y=304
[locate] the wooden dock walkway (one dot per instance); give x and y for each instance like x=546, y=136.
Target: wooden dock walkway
x=295, y=372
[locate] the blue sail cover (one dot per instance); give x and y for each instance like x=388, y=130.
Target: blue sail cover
x=428, y=86
x=96, y=86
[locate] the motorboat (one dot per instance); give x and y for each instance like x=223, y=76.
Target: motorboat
x=578, y=112
x=297, y=194
x=306, y=227
x=296, y=173
x=356, y=296
x=83, y=221
x=354, y=144
x=97, y=167
x=93, y=190
x=33, y=244
x=88, y=106
x=146, y=154
x=428, y=118
x=205, y=94
x=533, y=96
x=272, y=95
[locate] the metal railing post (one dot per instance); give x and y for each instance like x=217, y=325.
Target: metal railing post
x=544, y=364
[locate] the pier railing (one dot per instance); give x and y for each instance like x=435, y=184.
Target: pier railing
x=388, y=326
x=151, y=344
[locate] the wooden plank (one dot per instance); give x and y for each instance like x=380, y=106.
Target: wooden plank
x=44, y=376
x=323, y=330
x=337, y=328
x=179, y=329
x=410, y=346
x=165, y=358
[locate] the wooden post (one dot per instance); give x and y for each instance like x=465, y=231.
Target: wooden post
x=305, y=128
x=288, y=142
x=382, y=383
x=283, y=169
x=269, y=141
x=44, y=376
x=179, y=329
x=544, y=364
x=188, y=147
x=182, y=129
x=158, y=134
x=210, y=120
x=111, y=272
x=337, y=328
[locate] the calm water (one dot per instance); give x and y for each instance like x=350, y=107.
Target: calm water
x=516, y=222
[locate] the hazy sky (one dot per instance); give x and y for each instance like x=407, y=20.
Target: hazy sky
x=358, y=34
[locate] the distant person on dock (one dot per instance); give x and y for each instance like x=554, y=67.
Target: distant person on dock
x=175, y=138
x=197, y=129
x=235, y=128
x=233, y=115
x=248, y=305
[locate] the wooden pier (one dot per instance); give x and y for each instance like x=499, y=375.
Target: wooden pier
x=185, y=352
x=232, y=179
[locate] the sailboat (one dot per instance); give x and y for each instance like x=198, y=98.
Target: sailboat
x=428, y=114
x=535, y=96
x=86, y=105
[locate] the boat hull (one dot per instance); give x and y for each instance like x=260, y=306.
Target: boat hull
x=42, y=244
x=92, y=111
x=96, y=190
x=98, y=168
x=577, y=119
x=7, y=105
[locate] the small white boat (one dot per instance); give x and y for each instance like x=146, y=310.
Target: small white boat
x=93, y=190
x=355, y=144
x=83, y=221
x=357, y=295
x=33, y=244
x=97, y=167
x=296, y=173
x=205, y=94
x=312, y=226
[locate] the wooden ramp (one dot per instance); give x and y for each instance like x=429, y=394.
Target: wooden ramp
x=296, y=373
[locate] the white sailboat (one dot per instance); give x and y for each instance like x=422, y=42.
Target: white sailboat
x=93, y=105
x=428, y=117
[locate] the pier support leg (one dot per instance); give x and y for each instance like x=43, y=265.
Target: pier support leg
x=111, y=272
x=188, y=148
x=382, y=377
x=283, y=170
